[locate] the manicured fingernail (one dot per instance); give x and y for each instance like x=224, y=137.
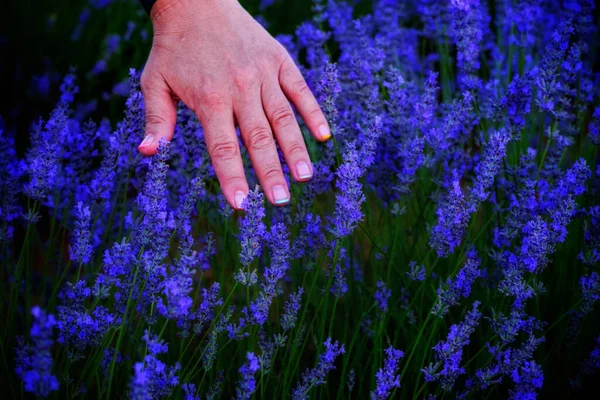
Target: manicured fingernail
x=147, y=141
x=324, y=132
x=303, y=170
x=280, y=196
x=239, y=199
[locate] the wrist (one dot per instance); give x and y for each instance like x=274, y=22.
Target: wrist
x=163, y=11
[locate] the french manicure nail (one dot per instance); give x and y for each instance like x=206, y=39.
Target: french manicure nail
x=280, y=195
x=147, y=141
x=303, y=170
x=239, y=199
x=324, y=132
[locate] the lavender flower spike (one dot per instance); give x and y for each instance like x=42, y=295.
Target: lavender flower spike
x=317, y=375
x=34, y=363
x=452, y=219
x=247, y=384
x=252, y=229
x=81, y=251
x=387, y=379
x=527, y=379
x=288, y=319
x=449, y=352
x=489, y=166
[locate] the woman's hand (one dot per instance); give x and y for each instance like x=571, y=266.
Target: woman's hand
x=224, y=66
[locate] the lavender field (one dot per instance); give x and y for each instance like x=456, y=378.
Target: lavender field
x=448, y=245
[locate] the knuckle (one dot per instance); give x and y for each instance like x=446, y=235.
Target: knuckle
x=243, y=78
x=213, y=100
x=282, y=116
x=296, y=148
x=260, y=138
x=315, y=113
x=145, y=84
x=225, y=150
x=271, y=171
x=301, y=88
x=154, y=119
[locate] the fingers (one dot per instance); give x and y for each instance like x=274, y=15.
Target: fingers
x=224, y=150
x=283, y=121
x=161, y=113
x=295, y=88
x=260, y=143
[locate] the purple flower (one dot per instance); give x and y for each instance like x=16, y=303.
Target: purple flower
x=34, y=362
x=279, y=246
x=456, y=122
x=452, y=291
x=310, y=238
x=140, y=383
x=517, y=102
x=351, y=380
x=288, y=319
x=452, y=219
x=425, y=109
x=590, y=295
x=528, y=378
x=268, y=348
x=447, y=367
x=152, y=378
x=156, y=226
x=81, y=250
x=588, y=366
x=594, y=132
x=328, y=91
x=487, y=170
x=506, y=358
x=416, y=273
x=68, y=89
x=115, y=274
x=467, y=31
x=79, y=327
x=536, y=245
x=215, y=390
x=11, y=172
x=189, y=391
x=178, y=285
x=247, y=384
x=591, y=254
x=211, y=347
x=548, y=78
x=350, y=197
x=339, y=269
x=43, y=162
x=103, y=182
x=206, y=308
x=382, y=295
x=252, y=228
x=386, y=377
x=316, y=376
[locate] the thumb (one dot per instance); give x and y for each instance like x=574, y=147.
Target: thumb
x=160, y=114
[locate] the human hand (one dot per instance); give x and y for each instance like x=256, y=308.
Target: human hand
x=213, y=56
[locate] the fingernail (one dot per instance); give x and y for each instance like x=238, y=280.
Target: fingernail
x=239, y=199
x=324, y=132
x=147, y=141
x=303, y=170
x=280, y=195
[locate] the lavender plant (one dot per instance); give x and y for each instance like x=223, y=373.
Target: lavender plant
x=448, y=244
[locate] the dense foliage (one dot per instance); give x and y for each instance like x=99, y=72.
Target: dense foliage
x=448, y=244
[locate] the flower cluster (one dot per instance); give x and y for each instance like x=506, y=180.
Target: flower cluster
x=454, y=214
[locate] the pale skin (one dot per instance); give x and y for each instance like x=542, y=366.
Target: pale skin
x=213, y=56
